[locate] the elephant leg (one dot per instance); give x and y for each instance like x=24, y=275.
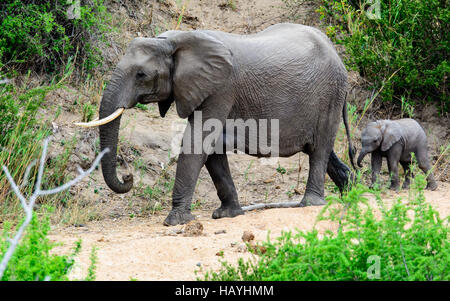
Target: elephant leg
x=314, y=193
x=338, y=171
x=188, y=169
x=194, y=154
x=376, y=162
x=393, y=158
x=425, y=166
x=407, y=170
x=218, y=168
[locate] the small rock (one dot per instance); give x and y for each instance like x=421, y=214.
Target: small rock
x=241, y=248
x=257, y=249
x=199, y=264
x=248, y=236
x=193, y=228
x=54, y=127
x=170, y=233
x=220, y=232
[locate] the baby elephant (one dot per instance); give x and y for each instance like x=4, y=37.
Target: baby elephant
x=396, y=140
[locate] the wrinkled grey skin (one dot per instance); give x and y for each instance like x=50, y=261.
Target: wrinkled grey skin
x=288, y=71
x=396, y=140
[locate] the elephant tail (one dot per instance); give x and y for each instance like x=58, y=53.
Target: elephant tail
x=351, y=150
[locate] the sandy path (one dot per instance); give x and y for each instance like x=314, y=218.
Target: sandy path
x=144, y=249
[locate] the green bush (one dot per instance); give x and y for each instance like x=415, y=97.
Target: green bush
x=406, y=50
x=408, y=242
x=39, y=34
x=32, y=259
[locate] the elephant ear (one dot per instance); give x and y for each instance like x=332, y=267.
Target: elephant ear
x=202, y=64
x=391, y=134
x=164, y=106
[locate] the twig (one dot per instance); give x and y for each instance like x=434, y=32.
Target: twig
x=28, y=205
x=403, y=258
x=374, y=96
x=272, y=205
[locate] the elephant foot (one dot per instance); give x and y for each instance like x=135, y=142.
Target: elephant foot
x=394, y=187
x=311, y=199
x=227, y=212
x=178, y=217
x=431, y=186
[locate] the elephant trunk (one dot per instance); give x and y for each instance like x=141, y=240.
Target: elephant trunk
x=109, y=134
x=361, y=156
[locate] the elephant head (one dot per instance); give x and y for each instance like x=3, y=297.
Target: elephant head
x=180, y=67
x=381, y=134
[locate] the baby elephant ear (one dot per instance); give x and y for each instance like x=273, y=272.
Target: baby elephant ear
x=202, y=66
x=392, y=133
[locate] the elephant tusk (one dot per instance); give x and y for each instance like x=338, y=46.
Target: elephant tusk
x=103, y=121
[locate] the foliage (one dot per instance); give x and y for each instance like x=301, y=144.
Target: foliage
x=406, y=49
x=19, y=126
x=21, y=132
x=93, y=266
x=46, y=34
x=408, y=242
x=32, y=259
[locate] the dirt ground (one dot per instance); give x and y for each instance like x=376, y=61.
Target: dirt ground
x=144, y=249
x=127, y=229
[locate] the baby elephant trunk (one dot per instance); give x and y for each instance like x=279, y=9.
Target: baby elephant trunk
x=361, y=156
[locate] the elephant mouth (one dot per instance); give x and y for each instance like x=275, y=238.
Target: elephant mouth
x=147, y=98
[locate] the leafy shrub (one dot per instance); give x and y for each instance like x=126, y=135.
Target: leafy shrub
x=406, y=49
x=41, y=34
x=409, y=241
x=32, y=260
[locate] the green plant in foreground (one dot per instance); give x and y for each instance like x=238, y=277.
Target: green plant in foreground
x=407, y=241
x=32, y=259
x=93, y=266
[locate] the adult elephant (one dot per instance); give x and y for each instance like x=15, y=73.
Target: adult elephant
x=288, y=72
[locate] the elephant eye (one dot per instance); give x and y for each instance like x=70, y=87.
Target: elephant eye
x=140, y=75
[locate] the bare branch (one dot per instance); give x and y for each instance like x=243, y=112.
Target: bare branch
x=28, y=206
x=27, y=173
x=272, y=205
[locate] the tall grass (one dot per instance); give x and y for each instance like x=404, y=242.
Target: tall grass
x=22, y=131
